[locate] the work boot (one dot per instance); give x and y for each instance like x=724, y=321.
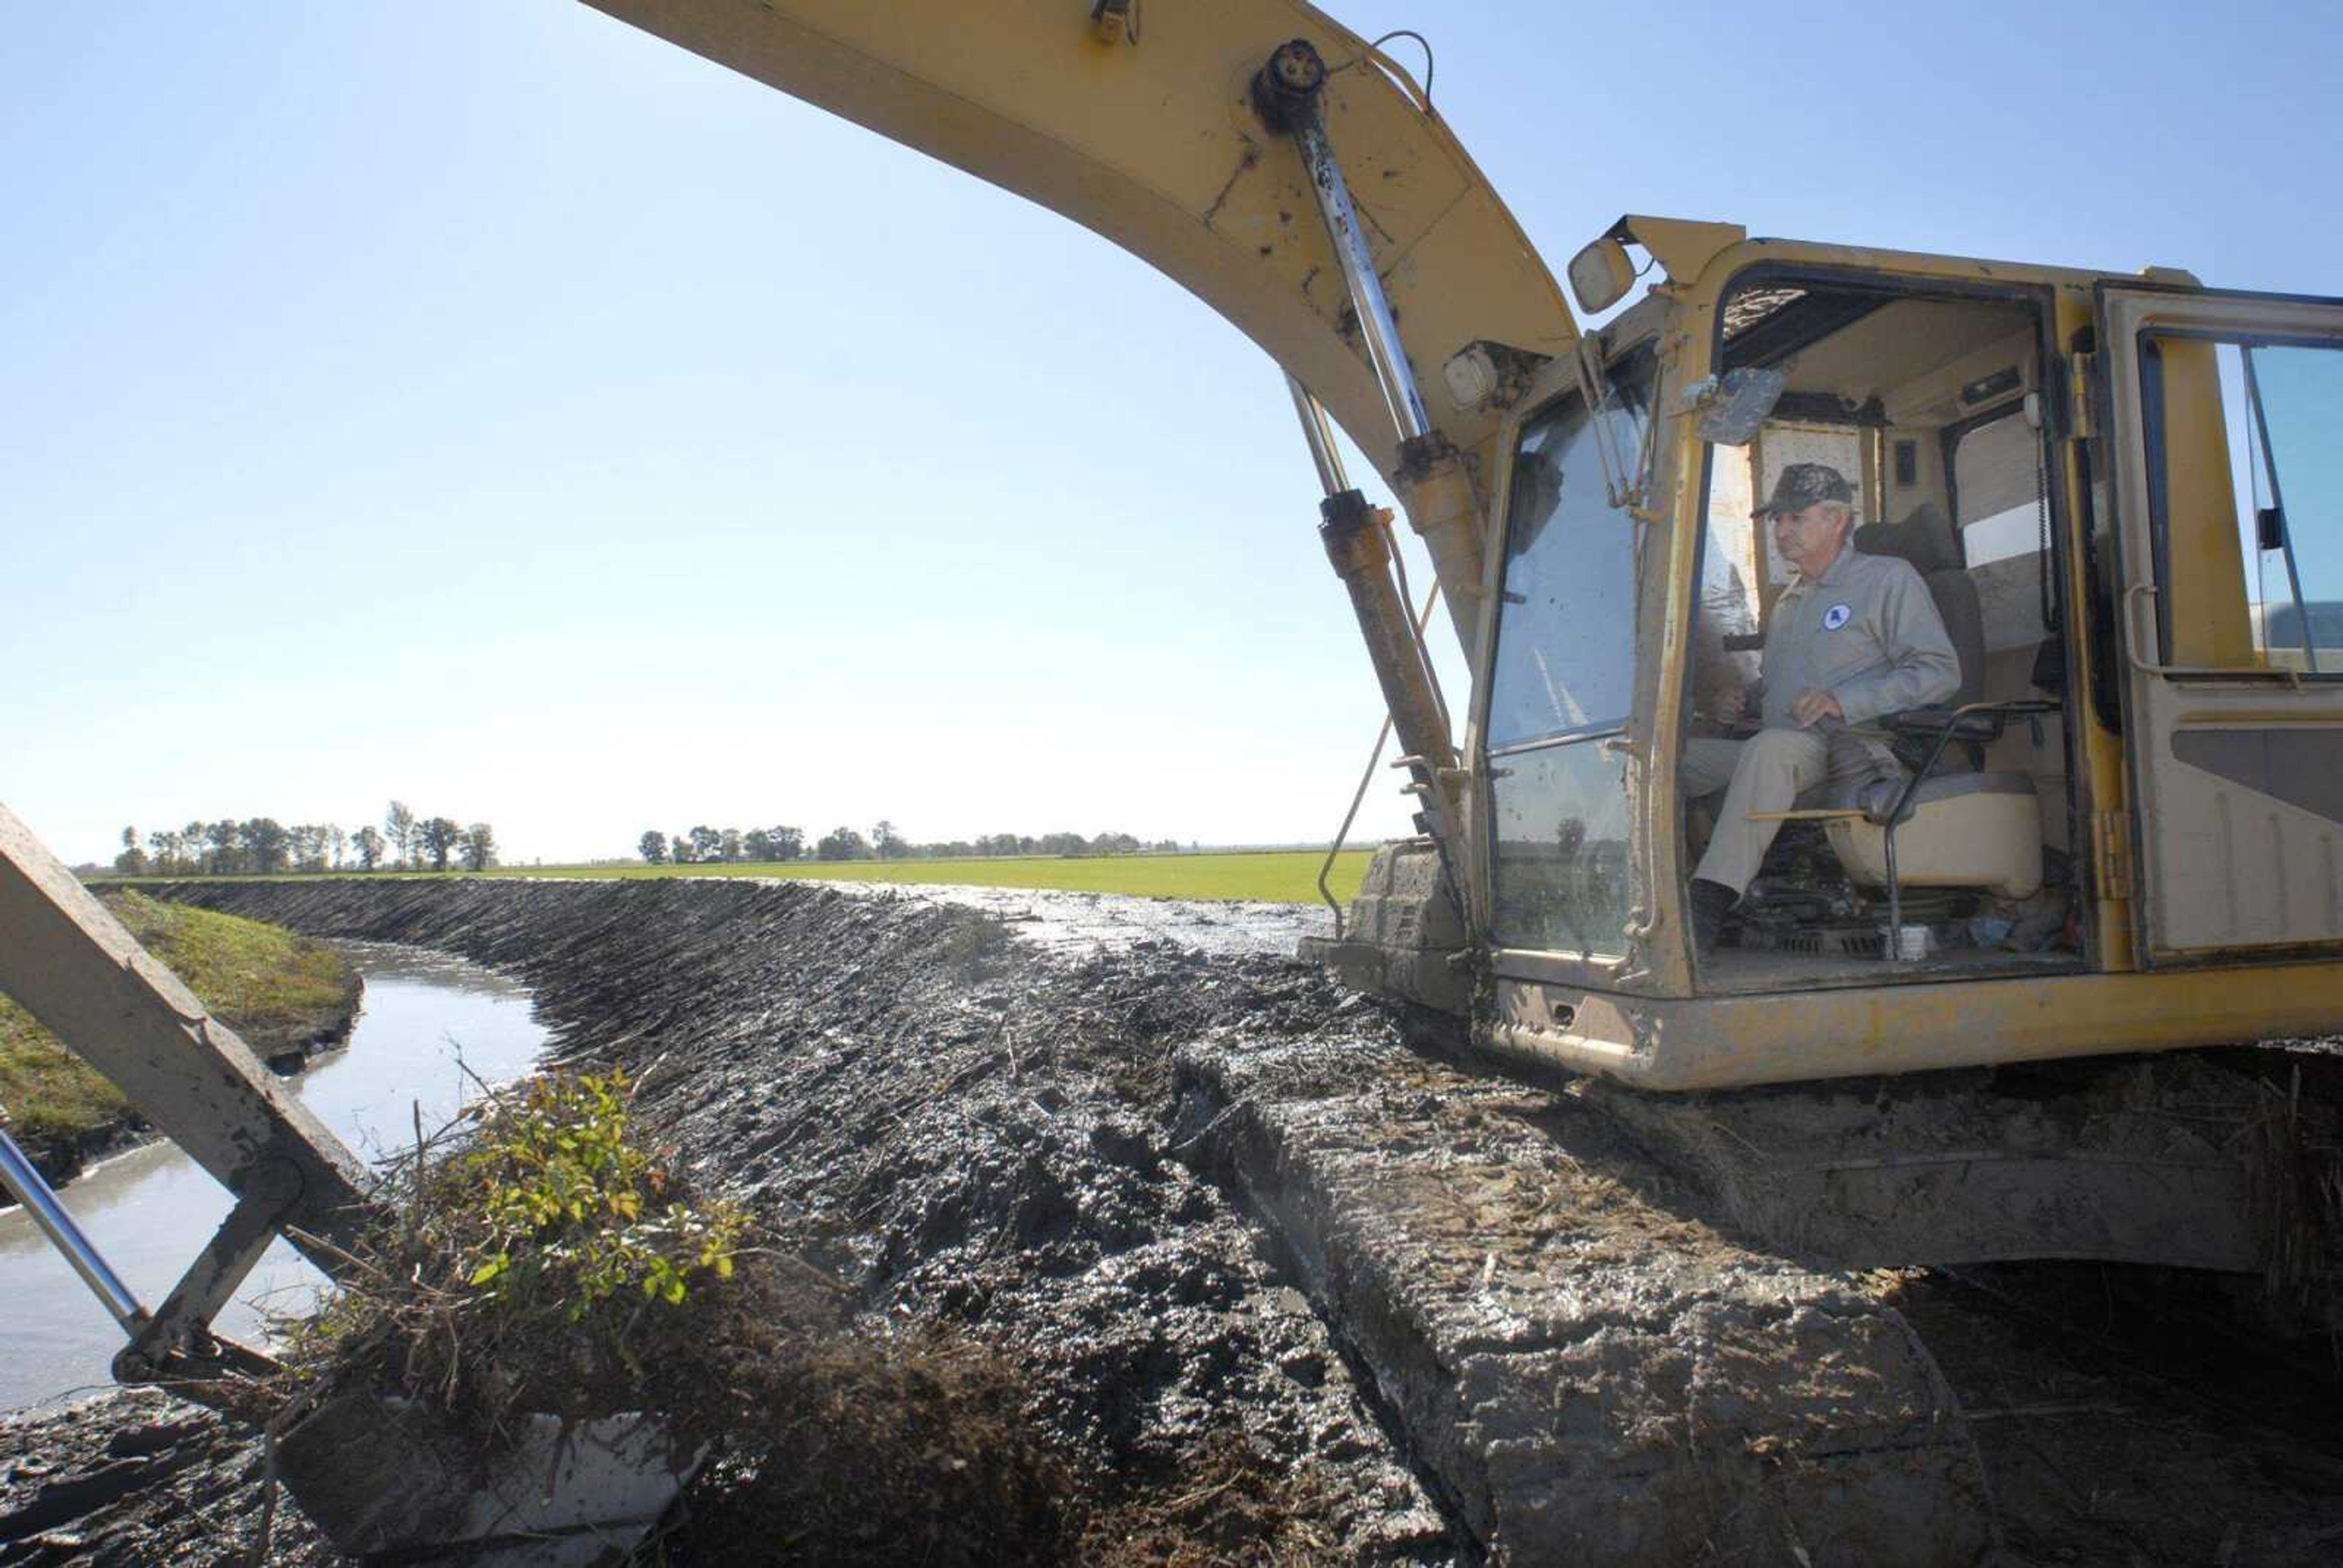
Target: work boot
x=1710, y=902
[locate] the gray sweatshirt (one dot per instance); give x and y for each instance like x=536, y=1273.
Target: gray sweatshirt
x=1868, y=632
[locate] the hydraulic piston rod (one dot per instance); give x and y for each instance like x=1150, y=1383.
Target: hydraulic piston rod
x=1320, y=434
x=1288, y=94
x=1384, y=346
x=26, y=1185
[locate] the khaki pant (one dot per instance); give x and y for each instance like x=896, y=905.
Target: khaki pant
x=1774, y=770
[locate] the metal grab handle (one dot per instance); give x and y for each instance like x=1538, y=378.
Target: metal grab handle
x=2131, y=631
x=40, y=1201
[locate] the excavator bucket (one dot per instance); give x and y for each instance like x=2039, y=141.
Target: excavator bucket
x=387, y=1478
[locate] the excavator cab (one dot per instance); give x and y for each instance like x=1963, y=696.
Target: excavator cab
x=1932, y=406
x=2119, y=833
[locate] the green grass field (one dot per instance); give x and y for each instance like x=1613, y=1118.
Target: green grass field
x=1279, y=877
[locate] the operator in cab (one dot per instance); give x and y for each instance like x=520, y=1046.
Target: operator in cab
x=1854, y=638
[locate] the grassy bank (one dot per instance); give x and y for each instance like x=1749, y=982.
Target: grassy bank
x=1278, y=877
x=281, y=992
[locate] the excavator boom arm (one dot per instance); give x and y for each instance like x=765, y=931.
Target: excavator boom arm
x=1141, y=127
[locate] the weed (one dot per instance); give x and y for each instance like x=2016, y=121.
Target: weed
x=573, y=1210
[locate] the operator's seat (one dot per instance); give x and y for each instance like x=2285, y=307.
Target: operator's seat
x=1927, y=541
x=1967, y=828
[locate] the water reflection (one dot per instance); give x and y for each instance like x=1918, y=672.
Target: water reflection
x=429, y=1024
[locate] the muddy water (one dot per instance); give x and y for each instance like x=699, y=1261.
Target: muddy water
x=151, y=1210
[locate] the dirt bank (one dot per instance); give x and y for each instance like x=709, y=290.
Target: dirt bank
x=1004, y=1136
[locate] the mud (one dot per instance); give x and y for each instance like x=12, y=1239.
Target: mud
x=1261, y=1255
x=1594, y=1374
x=139, y=1477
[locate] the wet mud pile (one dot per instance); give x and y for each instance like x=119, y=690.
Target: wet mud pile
x=139, y=1477
x=1280, y=1279
x=972, y=1134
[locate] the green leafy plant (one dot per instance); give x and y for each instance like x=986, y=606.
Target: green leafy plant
x=574, y=1209
x=536, y=1256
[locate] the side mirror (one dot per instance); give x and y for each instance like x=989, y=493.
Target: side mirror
x=1601, y=275
x=1733, y=406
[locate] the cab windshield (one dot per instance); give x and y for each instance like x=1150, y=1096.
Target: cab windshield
x=1562, y=676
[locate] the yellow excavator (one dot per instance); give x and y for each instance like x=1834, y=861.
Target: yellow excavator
x=1952, y=1020
x=2128, y=836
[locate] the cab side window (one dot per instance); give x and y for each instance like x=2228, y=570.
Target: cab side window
x=2002, y=511
x=2245, y=468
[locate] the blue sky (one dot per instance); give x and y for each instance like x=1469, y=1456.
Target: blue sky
x=495, y=407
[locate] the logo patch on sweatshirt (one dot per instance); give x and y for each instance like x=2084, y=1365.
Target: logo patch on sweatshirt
x=1837, y=615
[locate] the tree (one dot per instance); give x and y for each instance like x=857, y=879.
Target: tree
x=653, y=845
x=132, y=861
x=479, y=847
x=224, y=839
x=728, y=848
x=306, y=846
x=398, y=824
x=788, y=843
x=679, y=850
x=164, y=845
x=437, y=838
x=338, y=842
x=369, y=846
x=705, y=843
x=888, y=844
x=841, y=844
x=265, y=845
x=191, y=845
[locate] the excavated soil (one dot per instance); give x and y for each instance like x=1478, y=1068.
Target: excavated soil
x=995, y=1135
x=968, y=1132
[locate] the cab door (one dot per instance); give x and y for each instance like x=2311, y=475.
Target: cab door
x=2225, y=425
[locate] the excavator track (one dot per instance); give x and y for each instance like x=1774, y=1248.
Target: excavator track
x=1592, y=1376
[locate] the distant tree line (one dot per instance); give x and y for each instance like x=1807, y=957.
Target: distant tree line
x=262, y=845
x=763, y=845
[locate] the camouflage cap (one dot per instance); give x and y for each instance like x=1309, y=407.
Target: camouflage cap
x=1802, y=485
